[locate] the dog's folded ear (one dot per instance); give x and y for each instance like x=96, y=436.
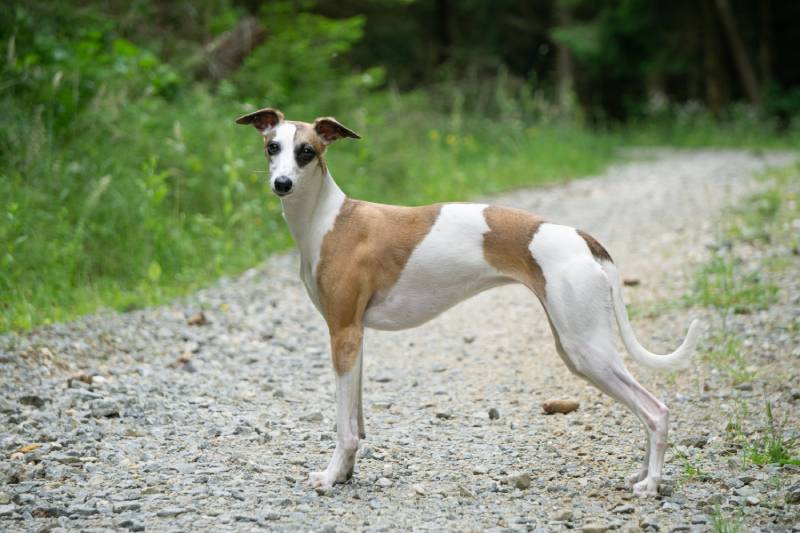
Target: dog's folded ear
x=329, y=129
x=263, y=120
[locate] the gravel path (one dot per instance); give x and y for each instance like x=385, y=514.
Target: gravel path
x=171, y=426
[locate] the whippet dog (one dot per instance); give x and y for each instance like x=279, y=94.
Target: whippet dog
x=386, y=267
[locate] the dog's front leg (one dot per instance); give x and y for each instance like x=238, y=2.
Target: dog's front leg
x=346, y=347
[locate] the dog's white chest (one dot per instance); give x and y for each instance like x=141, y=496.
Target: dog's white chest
x=307, y=270
x=309, y=237
x=447, y=267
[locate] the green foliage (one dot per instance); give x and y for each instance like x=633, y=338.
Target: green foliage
x=726, y=354
x=618, y=38
x=299, y=64
x=770, y=444
x=725, y=524
x=772, y=447
x=179, y=199
x=665, y=123
x=124, y=182
x=768, y=216
x=719, y=283
x=691, y=471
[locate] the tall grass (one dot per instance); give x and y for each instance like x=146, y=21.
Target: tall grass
x=731, y=285
x=155, y=199
x=123, y=182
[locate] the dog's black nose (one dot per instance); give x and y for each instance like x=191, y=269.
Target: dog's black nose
x=283, y=185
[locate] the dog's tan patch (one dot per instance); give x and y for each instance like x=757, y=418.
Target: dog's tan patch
x=595, y=247
x=358, y=262
x=506, y=246
x=305, y=134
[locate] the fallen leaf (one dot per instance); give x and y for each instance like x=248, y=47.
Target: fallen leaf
x=197, y=319
x=80, y=376
x=29, y=448
x=183, y=359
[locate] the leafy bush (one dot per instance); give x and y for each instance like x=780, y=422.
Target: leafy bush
x=299, y=64
x=124, y=182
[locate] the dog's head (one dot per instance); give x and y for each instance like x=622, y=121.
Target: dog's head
x=294, y=149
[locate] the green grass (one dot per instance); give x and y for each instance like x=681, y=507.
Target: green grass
x=725, y=524
x=691, y=471
x=140, y=188
x=772, y=446
x=766, y=219
x=125, y=217
x=721, y=284
x=690, y=126
x=766, y=443
x=727, y=356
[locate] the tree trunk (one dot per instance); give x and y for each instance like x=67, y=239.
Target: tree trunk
x=743, y=65
x=713, y=73
x=765, y=41
x=224, y=55
x=565, y=79
x=443, y=38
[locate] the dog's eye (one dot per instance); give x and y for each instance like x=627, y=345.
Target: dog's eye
x=273, y=148
x=305, y=153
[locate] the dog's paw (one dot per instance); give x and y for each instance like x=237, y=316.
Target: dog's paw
x=320, y=482
x=646, y=488
x=634, y=478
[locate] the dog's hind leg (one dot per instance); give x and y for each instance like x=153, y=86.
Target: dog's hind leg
x=362, y=433
x=579, y=306
x=640, y=474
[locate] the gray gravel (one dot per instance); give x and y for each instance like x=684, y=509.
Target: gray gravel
x=145, y=422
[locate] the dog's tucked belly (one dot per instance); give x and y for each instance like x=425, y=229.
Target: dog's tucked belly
x=447, y=267
x=415, y=306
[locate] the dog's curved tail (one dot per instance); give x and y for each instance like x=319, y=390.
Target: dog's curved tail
x=678, y=359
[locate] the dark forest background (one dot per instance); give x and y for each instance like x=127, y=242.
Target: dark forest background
x=123, y=180
x=618, y=57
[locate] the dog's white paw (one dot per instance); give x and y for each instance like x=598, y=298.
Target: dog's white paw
x=320, y=481
x=633, y=479
x=646, y=488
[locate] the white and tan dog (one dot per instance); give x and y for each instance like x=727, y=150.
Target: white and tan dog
x=387, y=267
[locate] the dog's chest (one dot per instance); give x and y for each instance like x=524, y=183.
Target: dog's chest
x=310, y=243
x=308, y=276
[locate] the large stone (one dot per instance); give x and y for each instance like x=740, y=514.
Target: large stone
x=793, y=494
x=521, y=480
x=562, y=515
x=649, y=523
x=7, y=510
x=104, y=408
x=169, y=512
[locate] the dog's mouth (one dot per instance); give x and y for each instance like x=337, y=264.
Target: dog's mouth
x=282, y=194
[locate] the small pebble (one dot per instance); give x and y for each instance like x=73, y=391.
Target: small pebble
x=562, y=515
x=560, y=406
x=521, y=481
x=595, y=527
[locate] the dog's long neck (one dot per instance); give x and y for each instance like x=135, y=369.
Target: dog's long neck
x=311, y=214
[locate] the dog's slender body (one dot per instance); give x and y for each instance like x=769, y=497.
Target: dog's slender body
x=368, y=265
